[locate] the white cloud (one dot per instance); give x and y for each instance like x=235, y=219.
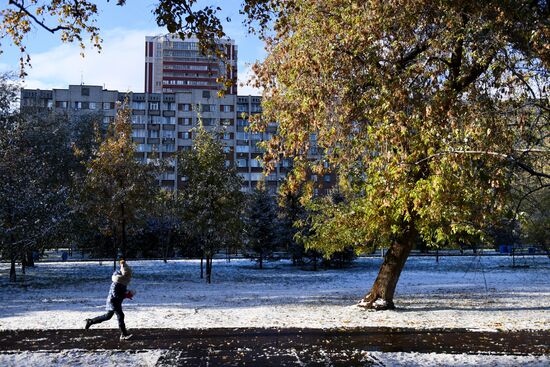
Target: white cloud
x=244, y=77
x=119, y=66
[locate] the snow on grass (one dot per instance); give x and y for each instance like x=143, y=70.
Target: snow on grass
x=81, y=358
x=462, y=360
x=481, y=293
x=151, y=357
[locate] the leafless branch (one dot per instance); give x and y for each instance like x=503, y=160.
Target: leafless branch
x=529, y=193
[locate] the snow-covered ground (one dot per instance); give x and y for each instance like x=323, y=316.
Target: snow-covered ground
x=150, y=358
x=473, y=292
x=481, y=293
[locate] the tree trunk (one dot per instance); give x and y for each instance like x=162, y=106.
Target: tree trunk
x=13, y=276
x=23, y=264
x=208, y=269
x=202, y=273
x=123, y=244
x=314, y=261
x=115, y=250
x=30, y=258
x=381, y=294
x=166, y=243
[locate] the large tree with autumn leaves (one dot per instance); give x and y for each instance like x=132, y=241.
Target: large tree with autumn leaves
x=426, y=109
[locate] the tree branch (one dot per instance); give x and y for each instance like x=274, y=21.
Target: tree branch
x=512, y=159
x=527, y=194
x=22, y=8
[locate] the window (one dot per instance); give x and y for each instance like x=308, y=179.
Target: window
x=168, y=106
x=226, y=122
x=226, y=149
x=169, y=148
x=207, y=107
x=154, y=106
x=242, y=136
x=138, y=105
x=314, y=178
x=326, y=178
x=138, y=119
x=242, y=149
x=93, y=105
x=153, y=133
x=205, y=94
x=139, y=133
x=256, y=176
x=186, y=121
x=85, y=91
x=108, y=105
x=61, y=104
x=255, y=163
x=226, y=108
x=241, y=163
x=208, y=122
x=168, y=134
x=170, y=120
x=155, y=119
x=184, y=107
x=184, y=135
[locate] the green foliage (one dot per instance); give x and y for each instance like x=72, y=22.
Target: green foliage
x=210, y=196
x=35, y=160
x=290, y=214
x=117, y=189
x=260, y=225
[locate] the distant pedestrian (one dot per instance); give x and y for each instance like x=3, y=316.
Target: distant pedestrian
x=117, y=293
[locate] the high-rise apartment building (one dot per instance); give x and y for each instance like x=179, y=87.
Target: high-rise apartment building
x=173, y=65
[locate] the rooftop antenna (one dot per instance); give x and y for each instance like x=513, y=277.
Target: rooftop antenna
x=81, y=77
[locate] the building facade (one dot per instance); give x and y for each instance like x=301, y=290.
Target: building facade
x=162, y=124
x=175, y=65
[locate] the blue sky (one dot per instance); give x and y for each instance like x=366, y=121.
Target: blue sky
x=120, y=64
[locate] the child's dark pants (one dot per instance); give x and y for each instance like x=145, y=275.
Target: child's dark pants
x=116, y=309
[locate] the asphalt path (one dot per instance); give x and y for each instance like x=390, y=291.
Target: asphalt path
x=274, y=346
